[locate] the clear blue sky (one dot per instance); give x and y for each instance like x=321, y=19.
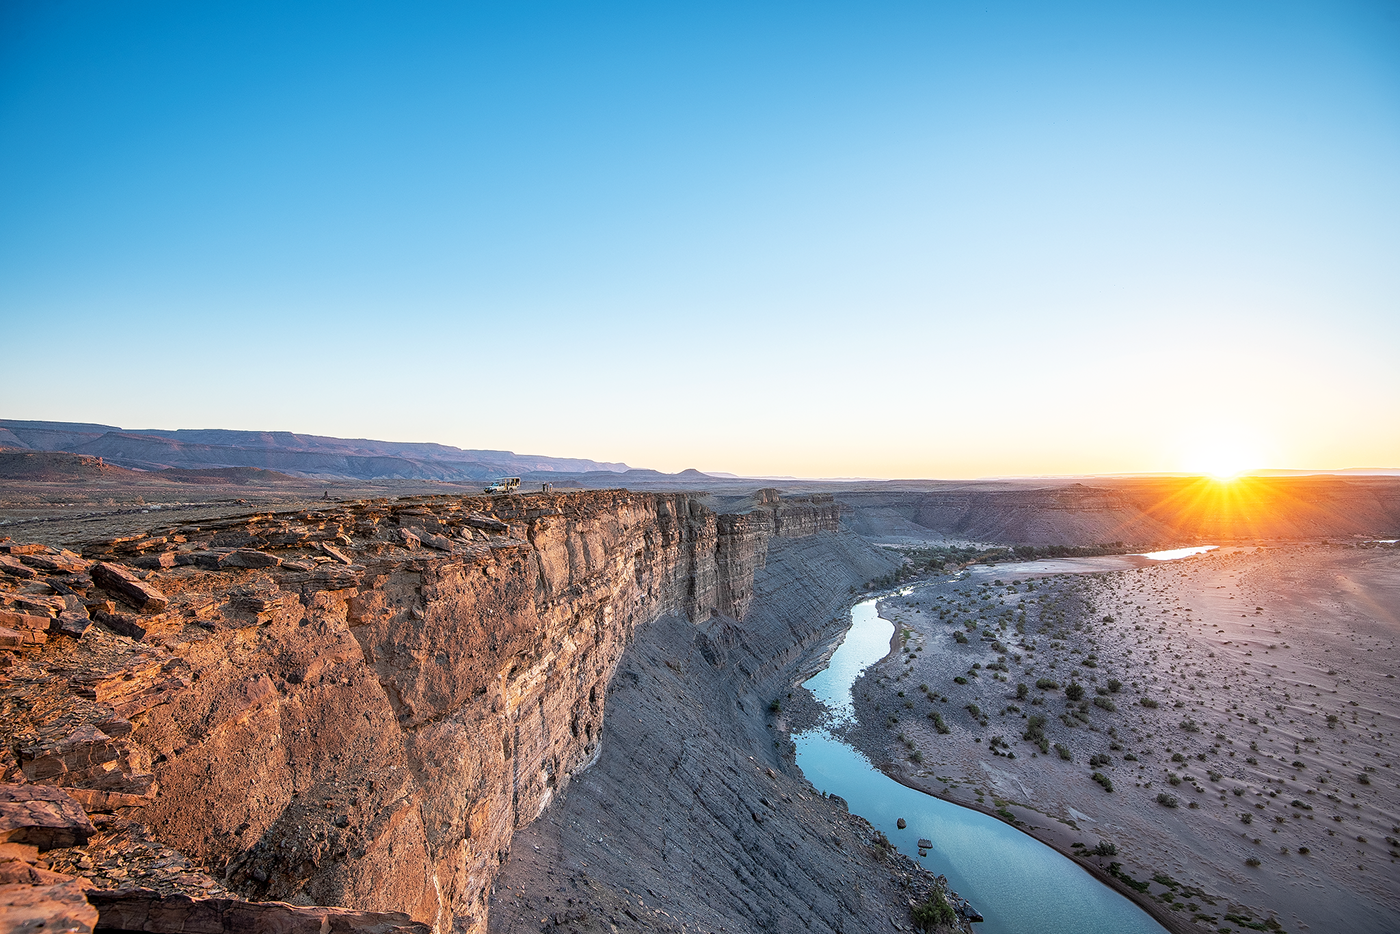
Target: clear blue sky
x=870, y=239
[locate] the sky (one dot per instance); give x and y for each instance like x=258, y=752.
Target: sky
x=809, y=239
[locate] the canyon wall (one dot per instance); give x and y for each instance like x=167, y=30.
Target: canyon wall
x=1135, y=510
x=359, y=705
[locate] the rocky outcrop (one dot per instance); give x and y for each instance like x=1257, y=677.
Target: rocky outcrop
x=357, y=706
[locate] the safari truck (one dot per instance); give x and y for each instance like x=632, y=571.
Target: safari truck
x=504, y=485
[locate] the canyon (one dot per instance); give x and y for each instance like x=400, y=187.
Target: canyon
x=361, y=705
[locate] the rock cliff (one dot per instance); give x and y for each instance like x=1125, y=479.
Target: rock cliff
x=357, y=706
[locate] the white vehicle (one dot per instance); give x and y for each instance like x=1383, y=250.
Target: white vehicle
x=504, y=485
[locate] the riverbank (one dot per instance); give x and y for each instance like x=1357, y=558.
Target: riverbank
x=1242, y=654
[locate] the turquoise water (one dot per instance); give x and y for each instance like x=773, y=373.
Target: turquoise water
x=1020, y=885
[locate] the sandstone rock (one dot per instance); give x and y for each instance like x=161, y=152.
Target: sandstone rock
x=12, y=638
x=334, y=552
x=42, y=816
x=38, y=603
x=249, y=558
x=24, y=872
x=71, y=623
x=12, y=620
x=121, y=582
x=123, y=624
x=63, y=562
x=149, y=911
x=15, y=568
x=97, y=802
x=407, y=538
x=156, y=562
x=432, y=540
x=46, y=909
x=484, y=522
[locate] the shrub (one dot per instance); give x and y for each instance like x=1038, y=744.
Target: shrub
x=1022, y=692
x=938, y=723
x=1105, y=704
x=1098, y=760
x=1063, y=751
x=960, y=680
x=1047, y=684
x=1114, y=685
x=1166, y=800
x=1147, y=702
x=1190, y=725
x=933, y=912
x=1364, y=779
x=1103, y=780
x=960, y=638
x=776, y=706
x=975, y=711
x=1252, y=861
x=1105, y=849
x=1074, y=691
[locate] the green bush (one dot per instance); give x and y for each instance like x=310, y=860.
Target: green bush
x=1105, y=704
x=1047, y=684
x=1074, y=690
x=1166, y=800
x=933, y=912
x=1063, y=751
x=938, y=723
x=1114, y=685
x=1147, y=702
x=960, y=680
x=1103, y=780
x=1022, y=692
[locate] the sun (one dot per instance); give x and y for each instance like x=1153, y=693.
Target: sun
x=1222, y=462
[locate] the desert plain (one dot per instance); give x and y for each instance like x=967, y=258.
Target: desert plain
x=1212, y=735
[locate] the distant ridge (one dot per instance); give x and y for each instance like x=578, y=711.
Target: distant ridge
x=288, y=452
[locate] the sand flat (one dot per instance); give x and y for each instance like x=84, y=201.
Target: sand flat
x=1273, y=673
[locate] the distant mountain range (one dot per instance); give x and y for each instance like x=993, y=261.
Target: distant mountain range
x=285, y=451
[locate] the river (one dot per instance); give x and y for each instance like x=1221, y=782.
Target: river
x=1020, y=885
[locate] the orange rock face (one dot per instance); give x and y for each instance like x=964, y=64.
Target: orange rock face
x=357, y=719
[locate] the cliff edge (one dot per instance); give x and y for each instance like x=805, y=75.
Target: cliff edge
x=357, y=706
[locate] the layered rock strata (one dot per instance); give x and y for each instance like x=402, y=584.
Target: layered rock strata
x=356, y=706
